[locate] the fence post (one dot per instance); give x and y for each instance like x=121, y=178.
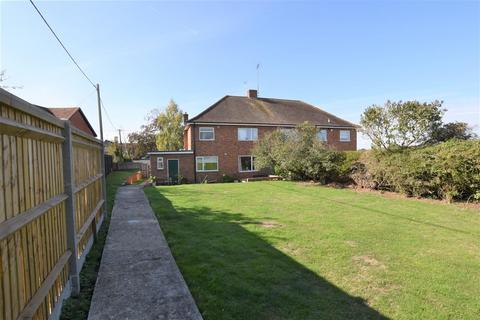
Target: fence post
x=68, y=182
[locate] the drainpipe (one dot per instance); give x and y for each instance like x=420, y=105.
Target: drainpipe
x=194, y=158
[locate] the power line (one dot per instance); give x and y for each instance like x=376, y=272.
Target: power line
x=108, y=116
x=74, y=61
x=59, y=41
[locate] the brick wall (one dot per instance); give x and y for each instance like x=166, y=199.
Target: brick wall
x=228, y=149
x=186, y=166
x=78, y=122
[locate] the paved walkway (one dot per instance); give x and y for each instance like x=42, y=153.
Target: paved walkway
x=138, y=277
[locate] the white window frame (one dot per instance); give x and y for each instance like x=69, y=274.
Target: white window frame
x=349, y=136
x=203, y=164
x=319, y=134
x=205, y=130
x=240, y=163
x=160, y=167
x=249, y=136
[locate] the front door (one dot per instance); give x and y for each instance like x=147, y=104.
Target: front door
x=173, y=170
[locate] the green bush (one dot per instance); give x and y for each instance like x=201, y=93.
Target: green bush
x=449, y=170
x=298, y=155
x=347, y=166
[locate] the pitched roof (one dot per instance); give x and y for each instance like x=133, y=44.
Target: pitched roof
x=63, y=113
x=66, y=113
x=236, y=109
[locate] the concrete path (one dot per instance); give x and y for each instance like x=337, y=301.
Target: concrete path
x=138, y=277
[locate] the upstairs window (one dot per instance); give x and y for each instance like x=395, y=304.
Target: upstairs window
x=322, y=135
x=207, y=133
x=246, y=163
x=344, y=135
x=207, y=163
x=288, y=132
x=247, y=134
x=159, y=163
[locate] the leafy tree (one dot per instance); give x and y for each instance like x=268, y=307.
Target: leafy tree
x=297, y=155
x=144, y=140
x=170, y=125
x=113, y=149
x=397, y=125
x=453, y=130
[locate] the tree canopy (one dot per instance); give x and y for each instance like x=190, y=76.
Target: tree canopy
x=144, y=140
x=170, y=125
x=402, y=124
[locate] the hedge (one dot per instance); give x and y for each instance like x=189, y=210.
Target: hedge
x=449, y=170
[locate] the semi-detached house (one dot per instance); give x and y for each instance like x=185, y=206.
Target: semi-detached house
x=220, y=139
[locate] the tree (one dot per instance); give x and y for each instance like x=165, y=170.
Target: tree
x=397, y=125
x=453, y=130
x=113, y=149
x=170, y=125
x=144, y=140
x=297, y=155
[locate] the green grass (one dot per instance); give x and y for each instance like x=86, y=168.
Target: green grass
x=76, y=308
x=281, y=250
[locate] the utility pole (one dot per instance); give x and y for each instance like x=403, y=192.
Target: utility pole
x=120, y=137
x=104, y=178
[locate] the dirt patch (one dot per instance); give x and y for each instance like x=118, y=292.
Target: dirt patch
x=351, y=243
x=292, y=250
x=270, y=224
x=368, y=260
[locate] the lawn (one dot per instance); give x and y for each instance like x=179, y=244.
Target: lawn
x=282, y=250
x=76, y=308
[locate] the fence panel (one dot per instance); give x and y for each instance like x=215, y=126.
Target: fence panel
x=34, y=251
x=87, y=167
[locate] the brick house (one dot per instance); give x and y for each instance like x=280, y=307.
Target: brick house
x=76, y=117
x=220, y=139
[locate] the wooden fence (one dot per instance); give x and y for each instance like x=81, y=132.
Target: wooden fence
x=52, y=194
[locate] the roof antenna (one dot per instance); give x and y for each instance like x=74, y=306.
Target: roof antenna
x=258, y=78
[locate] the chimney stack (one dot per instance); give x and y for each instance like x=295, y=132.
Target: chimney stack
x=252, y=93
x=185, y=118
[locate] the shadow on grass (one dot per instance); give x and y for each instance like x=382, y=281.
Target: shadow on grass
x=235, y=274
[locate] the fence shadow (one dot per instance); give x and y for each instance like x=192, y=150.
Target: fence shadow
x=235, y=274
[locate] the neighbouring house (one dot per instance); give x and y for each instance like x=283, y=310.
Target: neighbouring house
x=220, y=139
x=76, y=117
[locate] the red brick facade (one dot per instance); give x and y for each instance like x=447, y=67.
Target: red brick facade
x=263, y=115
x=186, y=166
x=228, y=149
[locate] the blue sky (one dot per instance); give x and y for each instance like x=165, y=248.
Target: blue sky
x=341, y=56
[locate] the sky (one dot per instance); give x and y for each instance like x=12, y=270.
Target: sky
x=341, y=56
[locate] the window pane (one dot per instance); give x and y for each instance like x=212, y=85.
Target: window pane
x=159, y=163
x=210, y=166
x=245, y=163
x=206, y=134
x=322, y=135
x=207, y=163
x=242, y=134
x=254, y=133
x=199, y=164
x=247, y=134
x=344, y=135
